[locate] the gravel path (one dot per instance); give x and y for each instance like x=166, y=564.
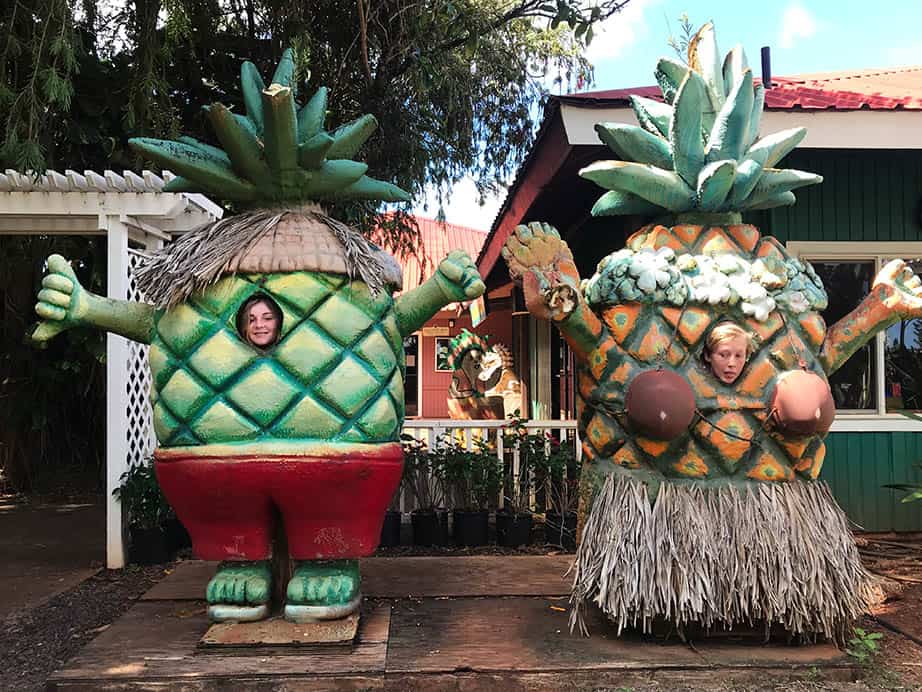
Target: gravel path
x=36, y=642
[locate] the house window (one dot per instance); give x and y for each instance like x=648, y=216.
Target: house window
x=883, y=379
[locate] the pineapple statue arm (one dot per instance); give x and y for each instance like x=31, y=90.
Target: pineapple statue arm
x=896, y=295
x=542, y=262
x=455, y=279
x=63, y=303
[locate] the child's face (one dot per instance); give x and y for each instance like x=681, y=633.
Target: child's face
x=728, y=358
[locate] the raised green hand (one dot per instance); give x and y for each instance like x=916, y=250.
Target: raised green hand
x=62, y=302
x=458, y=277
x=455, y=279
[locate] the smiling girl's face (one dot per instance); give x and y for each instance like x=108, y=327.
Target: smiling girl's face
x=262, y=327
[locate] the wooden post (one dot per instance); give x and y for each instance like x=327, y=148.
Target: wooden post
x=116, y=390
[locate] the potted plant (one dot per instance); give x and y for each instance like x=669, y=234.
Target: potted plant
x=514, y=521
x=390, y=528
x=473, y=477
x=423, y=479
x=561, y=487
x=145, y=509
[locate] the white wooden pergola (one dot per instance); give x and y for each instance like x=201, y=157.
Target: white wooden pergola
x=136, y=216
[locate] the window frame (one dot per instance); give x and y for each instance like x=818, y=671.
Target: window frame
x=879, y=253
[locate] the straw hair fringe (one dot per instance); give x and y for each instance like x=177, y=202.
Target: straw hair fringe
x=721, y=556
x=200, y=257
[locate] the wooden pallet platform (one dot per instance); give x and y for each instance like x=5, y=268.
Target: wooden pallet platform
x=471, y=623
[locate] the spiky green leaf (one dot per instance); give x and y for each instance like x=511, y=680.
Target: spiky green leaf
x=180, y=184
x=747, y=176
x=704, y=58
x=685, y=128
x=735, y=64
x=653, y=116
x=635, y=144
x=285, y=72
x=755, y=118
x=780, y=199
x=312, y=152
x=248, y=125
x=312, y=116
x=776, y=180
x=714, y=183
x=209, y=172
x=241, y=146
x=350, y=137
x=207, y=148
x=618, y=203
x=280, y=129
x=731, y=127
x=669, y=75
x=777, y=145
x=252, y=85
x=329, y=178
x=663, y=188
x=369, y=188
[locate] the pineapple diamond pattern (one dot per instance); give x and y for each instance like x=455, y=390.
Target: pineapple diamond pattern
x=220, y=421
x=348, y=387
x=183, y=395
x=220, y=357
x=342, y=320
x=307, y=352
x=263, y=393
x=336, y=372
x=183, y=327
x=310, y=418
x=303, y=291
x=231, y=290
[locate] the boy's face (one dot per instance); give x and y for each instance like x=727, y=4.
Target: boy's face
x=728, y=358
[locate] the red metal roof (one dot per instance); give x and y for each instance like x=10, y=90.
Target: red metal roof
x=438, y=240
x=882, y=89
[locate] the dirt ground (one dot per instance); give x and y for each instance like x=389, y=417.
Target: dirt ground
x=36, y=641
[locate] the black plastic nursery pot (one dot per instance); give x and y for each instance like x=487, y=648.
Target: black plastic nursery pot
x=513, y=529
x=177, y=537
x=147, y=546
x=430, y=527
x=390, y=529
x=560, y=531
x=471, y=527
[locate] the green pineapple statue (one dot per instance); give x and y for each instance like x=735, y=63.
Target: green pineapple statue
x=276, y=351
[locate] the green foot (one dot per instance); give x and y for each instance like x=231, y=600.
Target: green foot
x=240, y=591
x=323, y=590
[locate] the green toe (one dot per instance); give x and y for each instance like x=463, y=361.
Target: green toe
x=236, y=583
x=324, y=583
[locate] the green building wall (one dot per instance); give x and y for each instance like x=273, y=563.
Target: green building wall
x=866, y=196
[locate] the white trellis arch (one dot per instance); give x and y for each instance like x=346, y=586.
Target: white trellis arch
x=130, y=210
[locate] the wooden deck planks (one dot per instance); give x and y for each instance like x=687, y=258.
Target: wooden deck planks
x=157, y=642
x=512, y=634
x=471, y=623
x=417, y=577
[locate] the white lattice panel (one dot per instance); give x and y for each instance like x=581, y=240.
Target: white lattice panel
x=141, y=438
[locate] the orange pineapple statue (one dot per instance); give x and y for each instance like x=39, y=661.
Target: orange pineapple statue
x=700, y=501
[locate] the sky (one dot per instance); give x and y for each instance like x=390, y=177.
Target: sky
x=804, y=35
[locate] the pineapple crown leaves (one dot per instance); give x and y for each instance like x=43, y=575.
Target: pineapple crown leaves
x=699, y=150
x=276, y=153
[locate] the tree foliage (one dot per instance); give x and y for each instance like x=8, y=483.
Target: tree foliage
x=455, y=84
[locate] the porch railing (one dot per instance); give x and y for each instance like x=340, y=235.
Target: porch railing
x=467, y=432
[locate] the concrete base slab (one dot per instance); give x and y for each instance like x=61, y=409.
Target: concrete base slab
x=280, y=632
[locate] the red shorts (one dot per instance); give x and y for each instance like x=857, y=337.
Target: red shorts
x=331, y=498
